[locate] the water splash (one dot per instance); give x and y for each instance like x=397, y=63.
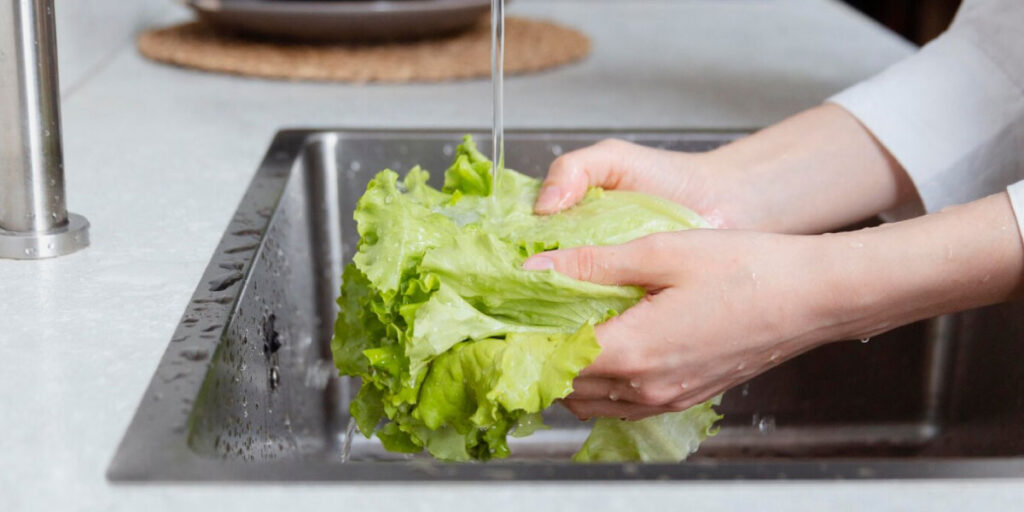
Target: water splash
x=346, y=444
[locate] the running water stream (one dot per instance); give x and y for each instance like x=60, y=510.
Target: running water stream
x=498, y=85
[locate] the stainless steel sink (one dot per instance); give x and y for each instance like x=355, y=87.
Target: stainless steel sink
x=246, y=389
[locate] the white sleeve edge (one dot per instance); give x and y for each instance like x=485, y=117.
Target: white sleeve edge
x=942, y=114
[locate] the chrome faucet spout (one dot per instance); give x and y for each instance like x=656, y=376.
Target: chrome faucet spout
x=34, y=221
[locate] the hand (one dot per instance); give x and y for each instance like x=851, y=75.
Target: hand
x=722, y=306
x=621, y=165
x=814, y=172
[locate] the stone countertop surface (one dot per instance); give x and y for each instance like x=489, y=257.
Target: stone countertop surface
x=158, y=158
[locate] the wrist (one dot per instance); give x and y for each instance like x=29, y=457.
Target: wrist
x=817, y=171
x=884, y=277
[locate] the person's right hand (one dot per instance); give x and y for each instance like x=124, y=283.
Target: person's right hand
x=615, y=164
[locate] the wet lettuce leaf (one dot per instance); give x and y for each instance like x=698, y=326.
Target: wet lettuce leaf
x=669, y=437
x=457, y=347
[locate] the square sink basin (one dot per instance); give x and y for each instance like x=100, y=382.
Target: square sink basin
x=246, y=390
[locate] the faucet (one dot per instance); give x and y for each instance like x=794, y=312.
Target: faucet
x=34, y=221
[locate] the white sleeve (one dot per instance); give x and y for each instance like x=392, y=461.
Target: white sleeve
x=1016, y=192
x=953, y=115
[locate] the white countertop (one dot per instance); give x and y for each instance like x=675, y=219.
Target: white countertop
x=158, y=158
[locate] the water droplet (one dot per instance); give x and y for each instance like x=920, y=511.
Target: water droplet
x=634, y=383
x=556, y=150
x=745, y=390
x=856, y=244
x=355, y=165
x=949, y=252
x=684, y=385
x=865, y=340
x=613, y=396
x=275, y=378
x=741, y=366
x=774, y=357
x=448, y=150
x=388, y=199
x=764, y=424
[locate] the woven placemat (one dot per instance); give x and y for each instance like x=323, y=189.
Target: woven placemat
x=530, y=46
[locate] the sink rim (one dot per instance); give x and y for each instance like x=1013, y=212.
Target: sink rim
x=155, y=445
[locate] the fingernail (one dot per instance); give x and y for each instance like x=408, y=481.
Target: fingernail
x=539, y=263
x=548, y=198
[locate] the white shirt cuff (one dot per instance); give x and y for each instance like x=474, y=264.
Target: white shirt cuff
x=949, y=116
x=1016, y=193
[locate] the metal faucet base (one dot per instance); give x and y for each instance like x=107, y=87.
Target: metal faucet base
x=59, y=241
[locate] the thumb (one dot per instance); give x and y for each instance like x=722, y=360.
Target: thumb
x=573, y=173
x=645, y=262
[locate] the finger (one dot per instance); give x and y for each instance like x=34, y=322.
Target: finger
x=628, y=343
x=653, y=391
x=586, y=409
x=648, y=262
x=571, y=174
x=594, y=388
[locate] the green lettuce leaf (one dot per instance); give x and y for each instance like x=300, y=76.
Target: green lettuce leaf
x=457, y=346
x=487, y=386
x=669, y=437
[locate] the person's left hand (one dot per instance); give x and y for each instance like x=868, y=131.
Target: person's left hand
x=722, y=306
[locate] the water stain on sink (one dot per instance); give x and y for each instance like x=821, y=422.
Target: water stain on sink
x=196, y=355
x=224, y=282
x=247, y=232
x=244, y=248
x=271, y=338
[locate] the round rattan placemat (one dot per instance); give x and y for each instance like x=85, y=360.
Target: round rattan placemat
x=531, y=46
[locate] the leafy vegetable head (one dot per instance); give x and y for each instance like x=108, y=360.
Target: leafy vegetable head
x=458, y=346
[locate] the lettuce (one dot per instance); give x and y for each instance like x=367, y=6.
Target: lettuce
x=457, y=347
x=664, y=438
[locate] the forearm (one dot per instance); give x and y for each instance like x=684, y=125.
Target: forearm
x=816, y=171
x=963, y=257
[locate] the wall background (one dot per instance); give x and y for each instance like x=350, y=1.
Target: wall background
x=89, y=32
x=919, y=21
